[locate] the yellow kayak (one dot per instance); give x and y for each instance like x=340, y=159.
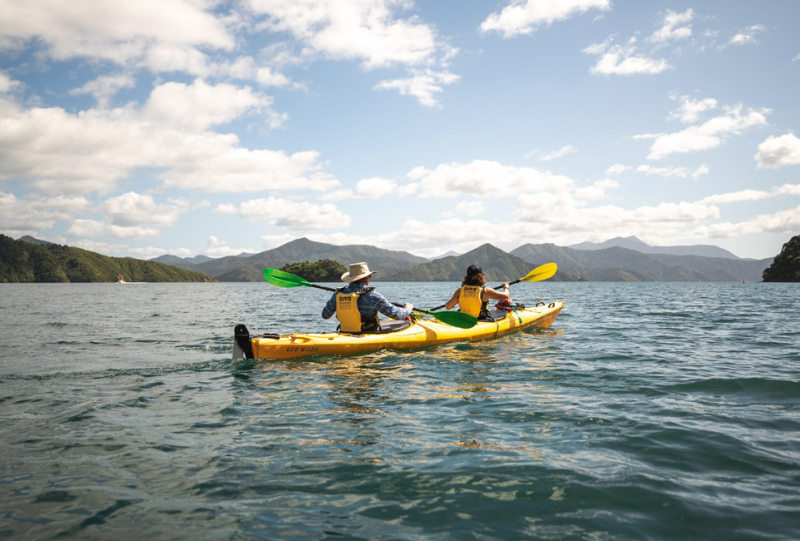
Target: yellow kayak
x=395, y=335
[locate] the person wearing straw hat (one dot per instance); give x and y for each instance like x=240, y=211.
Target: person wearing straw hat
x=357, y=305
x=473, y=296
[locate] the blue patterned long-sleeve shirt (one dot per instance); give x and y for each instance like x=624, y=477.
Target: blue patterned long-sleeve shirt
x=368, y=304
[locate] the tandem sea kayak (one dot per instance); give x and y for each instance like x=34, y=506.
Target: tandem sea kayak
x=394, y=335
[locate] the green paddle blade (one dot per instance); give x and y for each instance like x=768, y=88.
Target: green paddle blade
x=540, y=273
x=283, y=279
x=456, y=319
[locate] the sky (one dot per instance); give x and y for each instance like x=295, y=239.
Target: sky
x=192, y=127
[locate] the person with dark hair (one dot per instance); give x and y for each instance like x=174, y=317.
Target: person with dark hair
x=473, y=296
x=357, y=305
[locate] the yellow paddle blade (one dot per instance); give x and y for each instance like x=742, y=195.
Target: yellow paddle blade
x=540, y=273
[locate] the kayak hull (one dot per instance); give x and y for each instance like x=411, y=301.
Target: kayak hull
x=423, y=333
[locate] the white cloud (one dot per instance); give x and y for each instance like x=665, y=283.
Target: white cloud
x=200, y=105
x=36, y=213
x=225, y=208
x=273, y=241
x=267, y=77
x=84, y=229
x=105, y=87
x=7, y=84
x=560, y=209
x=548, y=207
x=120, y=32
x=482, y=178
x=681, y=172
x=373, y=188
x=752, y=195
x=700, y=171
x=748, y=35
x=563, y=151
x=705, y=136
x=246, y=68
x=368, y=188
x=133, y=209
x=563, y=217
x=788, y=189
x=369, y=31
x=219, y=248
x=525, y=16
x=618, y=169
x=423, y=85
x=736, y=197
x=779, y=151
x=676, y=26
x=471, y=208
x=143, y=252
x=364, y=30
x=784, y=221
x=130, y=216
x=690, y=110
x=623, y=60
x=596, y=190
x=294, y=216
x=92, y=150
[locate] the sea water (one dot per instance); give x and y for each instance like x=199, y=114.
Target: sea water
x=647, y=411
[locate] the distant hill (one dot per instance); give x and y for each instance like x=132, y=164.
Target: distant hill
x=446, y=254
x=23, y=261
x=31, y=240
x=182, y=262
x=498, y=266
x=633, y=243
x=247, y=269
x=612, y=264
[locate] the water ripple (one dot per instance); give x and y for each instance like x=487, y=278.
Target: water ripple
x=648, y=411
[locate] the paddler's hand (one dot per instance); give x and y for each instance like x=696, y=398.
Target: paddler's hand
x=408, y=306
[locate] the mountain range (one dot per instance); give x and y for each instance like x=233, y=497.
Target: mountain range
x=250, y=268
x=614, y=260
x=632, y=243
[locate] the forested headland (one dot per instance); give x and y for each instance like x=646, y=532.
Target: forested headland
x=22, y=261
x=786, y=265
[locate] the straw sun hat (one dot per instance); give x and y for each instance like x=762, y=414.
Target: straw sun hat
x=357, y=272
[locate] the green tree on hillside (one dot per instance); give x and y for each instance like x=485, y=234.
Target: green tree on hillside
x=786, y=266
x=45, y=267
x=324, y=270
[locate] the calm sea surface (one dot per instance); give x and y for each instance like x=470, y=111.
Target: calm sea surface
x=647, y=411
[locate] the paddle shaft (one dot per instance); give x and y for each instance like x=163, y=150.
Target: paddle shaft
x=394, y=303
x=445, y=304
x=286, y=279
x=334, y=290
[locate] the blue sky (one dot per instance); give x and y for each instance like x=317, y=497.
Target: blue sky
x=200, y=127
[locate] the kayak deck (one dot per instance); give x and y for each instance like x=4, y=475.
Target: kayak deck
x=422, y=333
